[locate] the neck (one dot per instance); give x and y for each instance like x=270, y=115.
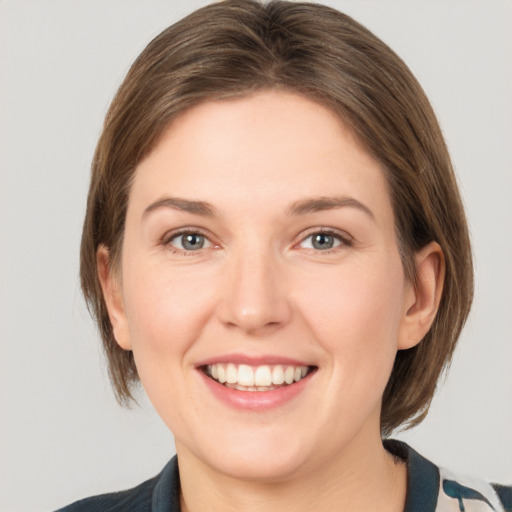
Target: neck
x=357, y=480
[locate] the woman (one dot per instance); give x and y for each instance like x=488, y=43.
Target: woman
x=276, y=247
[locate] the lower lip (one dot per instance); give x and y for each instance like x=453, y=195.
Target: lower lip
x=256, y=400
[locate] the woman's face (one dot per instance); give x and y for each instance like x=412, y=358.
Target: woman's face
x=260, y=248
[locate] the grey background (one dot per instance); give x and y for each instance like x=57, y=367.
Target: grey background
x=62, y=436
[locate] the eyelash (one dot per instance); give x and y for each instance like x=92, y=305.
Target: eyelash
x=342, y=240
x=166, y=241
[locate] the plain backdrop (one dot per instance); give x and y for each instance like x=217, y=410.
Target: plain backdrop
x=62, y=434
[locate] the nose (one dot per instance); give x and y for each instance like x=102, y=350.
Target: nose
x=254, y=297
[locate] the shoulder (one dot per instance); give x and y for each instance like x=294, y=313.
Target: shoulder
x=435, y=489
x=505, y=494
x=130, y=500
x=472, y=494
x=161, y=490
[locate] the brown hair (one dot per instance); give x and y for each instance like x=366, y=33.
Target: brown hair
x=232, y=48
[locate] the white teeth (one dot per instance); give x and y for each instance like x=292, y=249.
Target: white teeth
x=289, y=374
x=231, y=374
x=221, y=372
x=260, y=378
x=263, y=376
x=245, y=375
x=278, y=374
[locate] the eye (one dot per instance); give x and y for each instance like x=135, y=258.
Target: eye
x=190, y=241
x=323, y=241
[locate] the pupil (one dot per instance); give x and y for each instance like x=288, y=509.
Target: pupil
x=193, y=241
x=322, y=241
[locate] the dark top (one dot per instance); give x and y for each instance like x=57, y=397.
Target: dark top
x=429, y=489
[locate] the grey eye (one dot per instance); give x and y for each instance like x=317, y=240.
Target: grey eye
x=190, y=241
x=193, y=242
x=321, y=241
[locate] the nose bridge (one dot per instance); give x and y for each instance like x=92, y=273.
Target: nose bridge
x=255, y=296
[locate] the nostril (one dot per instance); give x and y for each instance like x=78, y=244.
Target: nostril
x=252, y=301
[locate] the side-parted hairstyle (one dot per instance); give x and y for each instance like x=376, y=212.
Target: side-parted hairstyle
x=234, y=48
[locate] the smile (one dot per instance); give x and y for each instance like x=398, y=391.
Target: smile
x=243, y=377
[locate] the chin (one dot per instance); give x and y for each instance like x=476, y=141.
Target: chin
x=266, y=469
x=261, y=458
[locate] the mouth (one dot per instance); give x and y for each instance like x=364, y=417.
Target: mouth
x=243, y=377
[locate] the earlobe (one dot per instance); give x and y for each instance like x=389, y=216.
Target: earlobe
x=422, y=298
x=112, y=294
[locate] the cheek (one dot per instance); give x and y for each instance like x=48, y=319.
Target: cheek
x=166, y=310
x=355, y=312
x=166, y=314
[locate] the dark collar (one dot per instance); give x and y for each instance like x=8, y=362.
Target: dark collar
x=422, y=478
x=166, y=494
x=422, y=482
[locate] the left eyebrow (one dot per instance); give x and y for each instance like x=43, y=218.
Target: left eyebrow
x=185, y=205
x=317, y=204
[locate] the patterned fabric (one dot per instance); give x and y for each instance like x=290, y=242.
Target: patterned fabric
x=429, y=489
x=464, y=494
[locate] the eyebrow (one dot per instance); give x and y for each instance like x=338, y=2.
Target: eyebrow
x=301, y=207
x=318, y=204
x=185, y=205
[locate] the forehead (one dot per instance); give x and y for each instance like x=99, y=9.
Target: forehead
x=267, y=148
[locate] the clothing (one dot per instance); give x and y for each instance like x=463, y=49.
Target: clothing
x=429, y=489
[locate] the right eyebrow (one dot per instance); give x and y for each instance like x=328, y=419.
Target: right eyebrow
x=185, y=205
x=317, y=204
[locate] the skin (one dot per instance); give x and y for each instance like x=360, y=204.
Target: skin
x=259, y=288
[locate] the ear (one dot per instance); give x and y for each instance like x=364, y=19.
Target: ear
x=113, y=296
x=423, y=297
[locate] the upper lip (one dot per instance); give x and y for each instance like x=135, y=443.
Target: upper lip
x=253, y=360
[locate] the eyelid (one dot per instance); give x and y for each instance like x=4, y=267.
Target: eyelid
x=189, y=230
x=345, y=239
x=173, y=233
